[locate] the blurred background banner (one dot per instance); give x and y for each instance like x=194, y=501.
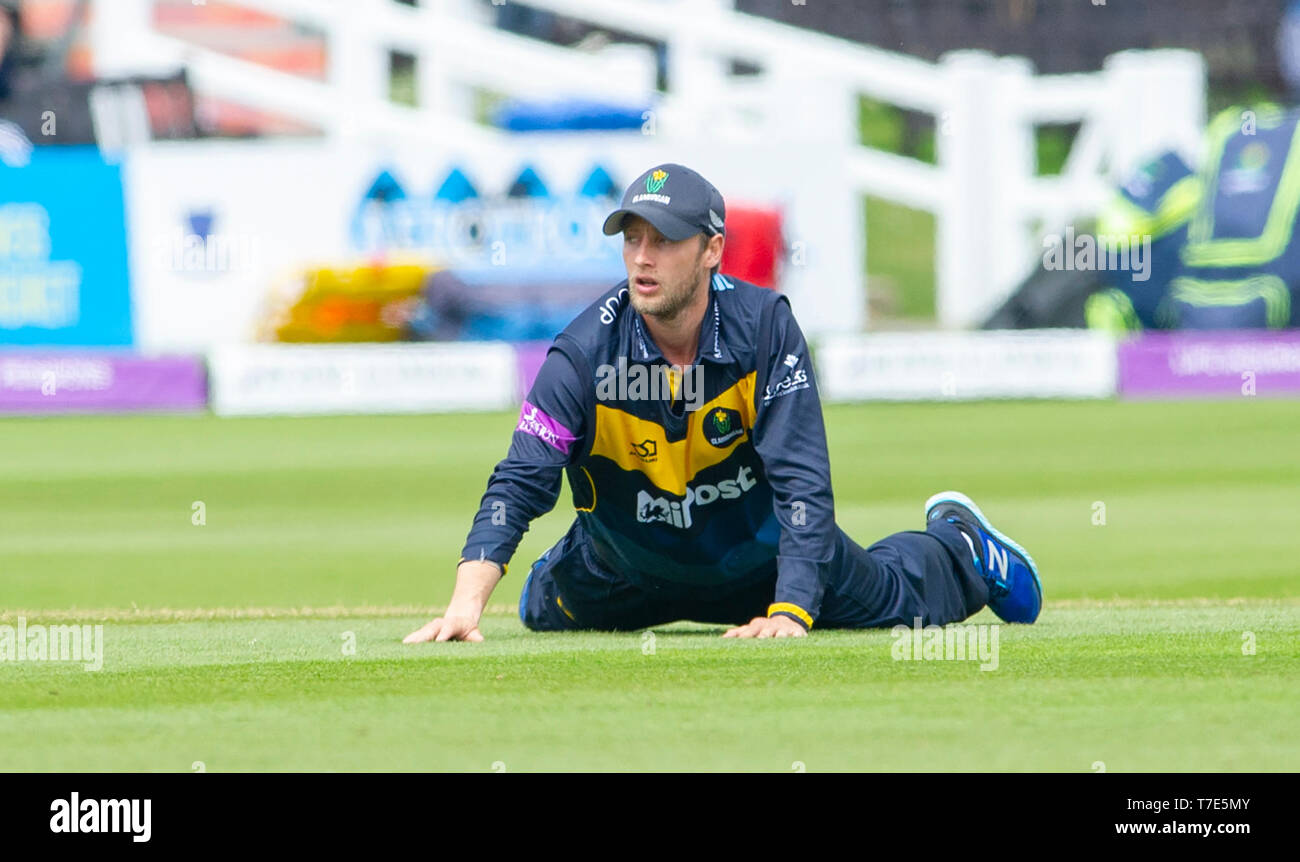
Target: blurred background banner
x=302, y=380
x=63, y=260
x=947, y=366
x=224, y=238
x=77, y=382
x=1220, y=364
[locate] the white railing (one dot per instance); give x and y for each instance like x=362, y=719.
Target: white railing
x=991, y=208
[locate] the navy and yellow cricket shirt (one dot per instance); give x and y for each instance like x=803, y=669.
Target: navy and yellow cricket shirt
x=673, y=497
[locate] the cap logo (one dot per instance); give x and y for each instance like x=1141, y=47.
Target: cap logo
x=655, y=181
x=715, y=218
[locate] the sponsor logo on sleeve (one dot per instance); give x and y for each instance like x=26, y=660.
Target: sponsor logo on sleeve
x=795, y=379
x=533, y=420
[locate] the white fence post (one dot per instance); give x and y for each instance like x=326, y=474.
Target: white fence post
x=983, y=155
x=814, y=116
x=358, y=63
x=120, y=36
x=1156, y=102
x=435, y=89
x=696, y=75
x=1010, y=174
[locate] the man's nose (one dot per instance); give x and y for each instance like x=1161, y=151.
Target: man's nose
x=643, y=257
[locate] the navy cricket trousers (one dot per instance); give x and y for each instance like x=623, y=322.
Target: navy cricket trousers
x=927, y=574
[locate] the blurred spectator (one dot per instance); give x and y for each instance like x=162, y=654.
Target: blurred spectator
x=562, y=30
x=15, y=149
x=1288, y=48
x=539, y=24
x=9, y=44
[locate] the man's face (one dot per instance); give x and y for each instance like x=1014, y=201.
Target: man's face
x=663, y=276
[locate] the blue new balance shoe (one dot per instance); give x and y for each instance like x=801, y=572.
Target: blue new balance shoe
x=1015, y=592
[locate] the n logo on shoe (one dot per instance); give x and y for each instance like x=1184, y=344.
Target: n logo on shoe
x=998, y=560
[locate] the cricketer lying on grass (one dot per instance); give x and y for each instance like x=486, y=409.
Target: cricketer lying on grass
x=718, y=511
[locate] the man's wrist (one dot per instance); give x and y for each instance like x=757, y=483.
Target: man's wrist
x=793, y=611
x=470, y=610
x=475, y=580
x=500, y=567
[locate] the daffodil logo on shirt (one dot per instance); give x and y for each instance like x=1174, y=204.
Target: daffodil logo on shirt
x=722, y=425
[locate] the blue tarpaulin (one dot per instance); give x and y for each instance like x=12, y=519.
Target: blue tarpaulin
x=570, y=115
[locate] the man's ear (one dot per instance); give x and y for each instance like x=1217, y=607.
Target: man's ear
x=714, y=251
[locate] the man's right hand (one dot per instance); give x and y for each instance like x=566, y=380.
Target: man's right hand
x=475, y=580
x=446, y=629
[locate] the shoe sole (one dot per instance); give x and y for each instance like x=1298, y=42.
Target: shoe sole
x=962, y=500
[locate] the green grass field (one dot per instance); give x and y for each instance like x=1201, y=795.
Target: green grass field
x=230, y=643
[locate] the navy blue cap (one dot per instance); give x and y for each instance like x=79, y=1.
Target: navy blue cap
x=676, y=200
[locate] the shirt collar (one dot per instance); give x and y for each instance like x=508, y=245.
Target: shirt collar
x=711, y=346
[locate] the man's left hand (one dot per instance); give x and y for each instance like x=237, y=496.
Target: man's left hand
x=778, y=626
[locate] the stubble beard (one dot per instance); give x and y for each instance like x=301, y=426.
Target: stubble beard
x=673, y=300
